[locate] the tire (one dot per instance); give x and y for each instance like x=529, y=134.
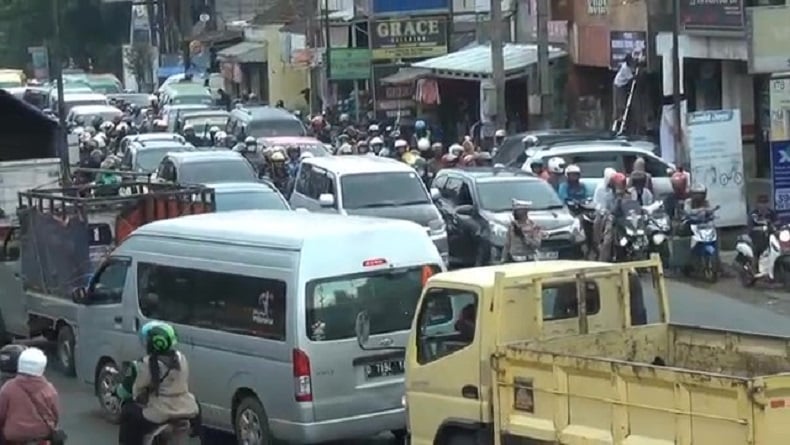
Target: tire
x=400, y=436
x=251, y=425
x=710, y=269
x=106, y=380
x=65, y=351
x=467, y=438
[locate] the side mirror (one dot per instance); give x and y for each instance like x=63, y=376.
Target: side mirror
x=79, y=295
x=466, y=210
x=670, y=171
x=326, y=200
x=362, y=328
x=435, y=193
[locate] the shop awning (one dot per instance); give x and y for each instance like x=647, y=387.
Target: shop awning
x=475, y=62
x=244, y=52
x=405, y=75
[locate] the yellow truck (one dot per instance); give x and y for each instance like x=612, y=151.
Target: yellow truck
x=551, y=353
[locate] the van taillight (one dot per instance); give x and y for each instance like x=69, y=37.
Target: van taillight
x=303, y=388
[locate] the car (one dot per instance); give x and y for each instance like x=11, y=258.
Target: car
x=476, y=205
x=248, y=196
x=37, y=96
x=593, y=158
x=305, y=144
x=205, y=167
x=145, y=156
x=215, y=81
x=149, y=137
x=263, y=122
x=72, y=99
x=89, y=112
x=201, y=120
x=139, y=100
x=104, y=83
x=368, y=186
x=186, y=93
x=170, y=112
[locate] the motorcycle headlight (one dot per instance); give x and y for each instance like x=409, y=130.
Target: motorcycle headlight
x=498, y=233
x=623, y=241
x=784, y=236
x=630, y=231
x=436, y=227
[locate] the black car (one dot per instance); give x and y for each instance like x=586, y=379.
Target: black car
x=476, y=204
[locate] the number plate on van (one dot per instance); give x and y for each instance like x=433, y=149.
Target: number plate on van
x=384, y=369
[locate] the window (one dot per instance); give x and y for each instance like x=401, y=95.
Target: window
x=451, y=190
x=228, y=170
x=446, y=323
x=560, y=301
x=593, y=164
x=439, y=182
x=107, y=285
x=388, y=296
x=653, y=166
x=364, y=190
x=303, y=180
x=126, y=161
x=250, y=200
x=464, y=196
x=270, y=128
x=498, y=196
x=238, y=304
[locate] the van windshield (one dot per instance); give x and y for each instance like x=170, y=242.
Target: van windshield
x=362, y=191
x=389, y=296
x=272, y=128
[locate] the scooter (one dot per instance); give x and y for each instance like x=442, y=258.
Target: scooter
x=658, y=229
x=584, y=212
x=632, y=243
x=772, y=244
x=704, y=244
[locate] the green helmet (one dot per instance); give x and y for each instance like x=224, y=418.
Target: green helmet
x=158, y=337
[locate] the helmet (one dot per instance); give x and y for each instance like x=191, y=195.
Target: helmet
x=306, y=155
x=608, y=172
x=573, y=169
x=277, y=156
x=500, y=133
x=346, y=149
x=249, y=140
x=158, y=336
x=556, y=165
x=679, y=181
x=214, y=129
x=9, y=358
x=618, y=180
x=344, y=117
x=293, y=149
x=420, y=125
x=400, y=143
x=530, y=140
x=638, y=179
x=520, y=206
x=698, y=191
x=455, y=150
x=423, y=144
x=221, y=135
x=32, y=361
x=189, y=127
x=377, y=141
x=373, y=127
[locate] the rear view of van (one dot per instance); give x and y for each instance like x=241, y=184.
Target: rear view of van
x=265, y=306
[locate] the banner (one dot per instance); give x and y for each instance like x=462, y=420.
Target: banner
x=622, y=43
x=703, y=16
x=349, y=63
x=410, y=38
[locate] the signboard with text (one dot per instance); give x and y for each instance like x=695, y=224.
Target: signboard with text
x=779, y=97
x=394, y=102
x=704, y=16
x=349, y=63
x=767, y=35
x=622, y=43
x=409, y=38
x=409, y=7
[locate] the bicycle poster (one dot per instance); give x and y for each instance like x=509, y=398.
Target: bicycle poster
x=716, y=155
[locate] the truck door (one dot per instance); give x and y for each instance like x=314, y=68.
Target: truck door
x=443, y=383
x=13, y=307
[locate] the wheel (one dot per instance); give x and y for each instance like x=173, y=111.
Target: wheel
x=106, y=380
x=400, y=436
x=462, y=439
x=745, y=272
x=710, y=269
x=65, y=350
x=251, y=424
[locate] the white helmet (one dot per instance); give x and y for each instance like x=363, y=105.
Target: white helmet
x=423, y=144
x=373, y=127
x=400, y=143
x=221, y=135
x=377, y=141
x=346, y=149
x=556, y=165
x=455, y=150
x=249, y=140
x=32, y=362
x=305, y=155
x=573, y=168
x=500, y=133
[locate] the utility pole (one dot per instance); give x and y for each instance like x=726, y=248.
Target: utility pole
x=312, y=44
x=63, y=143
x=544, y=71
x=680, y=149
x=498, y=62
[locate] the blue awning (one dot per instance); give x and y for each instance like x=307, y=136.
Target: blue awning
x=167, y=71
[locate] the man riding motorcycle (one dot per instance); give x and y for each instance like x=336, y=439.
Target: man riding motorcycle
x=191, y=136
x=523, y=235
x=673, y=204
x=556, y=168
x=155, y=389
x=573, y=189
x=638, y=189
x=604, y=222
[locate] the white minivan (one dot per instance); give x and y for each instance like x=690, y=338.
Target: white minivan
x=265, y=306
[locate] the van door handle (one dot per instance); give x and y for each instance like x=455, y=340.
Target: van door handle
x=118, y=319
x=136, y=324
x=470, y=392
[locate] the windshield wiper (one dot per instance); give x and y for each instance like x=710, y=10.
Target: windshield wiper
x=374, y=205
x=551, y=207
x=411, y=203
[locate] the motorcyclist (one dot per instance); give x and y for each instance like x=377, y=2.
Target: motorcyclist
x=376, y=145
x=639, y=166
x=212, y=136
x=9, y=358
x=638, y=188
x=537, y=169
x=345, y=149
x=572, y=189
x=523, y=235
x=604, y=194
x=762, y=212
x=155, y=389
x=373, y=131
x=277, y=171
x=401, y=149
x=499, y=139
x=190, y=136
x=673, y=204
x=435, y=162
x=362, y=147
x=697, y=200
x=618, y=184
x=556, y=169
x=29, y=403
x=420, y=131
x=453, y=155
x=424, y=147
x=292, y=164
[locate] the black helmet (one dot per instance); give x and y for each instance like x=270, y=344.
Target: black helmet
x=9, y=358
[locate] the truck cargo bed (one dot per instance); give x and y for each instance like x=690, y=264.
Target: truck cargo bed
x=659, y=384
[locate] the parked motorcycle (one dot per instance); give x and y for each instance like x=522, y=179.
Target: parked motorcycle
x=704, y=244
x=631, y=232
x=762, y=253
x=658, y=229
x=584, y=212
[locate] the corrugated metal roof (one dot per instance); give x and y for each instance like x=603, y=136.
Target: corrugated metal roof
x=244, y=52
x=476, y=61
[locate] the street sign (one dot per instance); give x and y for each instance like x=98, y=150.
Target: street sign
x=409, y=38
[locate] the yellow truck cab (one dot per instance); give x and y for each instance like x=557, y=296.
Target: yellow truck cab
x=553, y=353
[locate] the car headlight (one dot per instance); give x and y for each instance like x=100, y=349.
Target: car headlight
x=436, y=227
x=498, y=233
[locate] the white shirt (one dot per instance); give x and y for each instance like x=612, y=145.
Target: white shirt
x=623, y=76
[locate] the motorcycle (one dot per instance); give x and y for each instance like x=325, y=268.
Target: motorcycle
x=631, y=231
x=704, y=244
x=763, y=249
x=584, y=212
x=658, y=229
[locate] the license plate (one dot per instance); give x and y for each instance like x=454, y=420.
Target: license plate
x=547, y=255
x=384, y=369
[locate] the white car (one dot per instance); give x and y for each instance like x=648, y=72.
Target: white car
x=594, y=158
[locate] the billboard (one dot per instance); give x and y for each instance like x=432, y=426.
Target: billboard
x=767, y=35
x=409, y=38
x=705, y=16
x=410, y=7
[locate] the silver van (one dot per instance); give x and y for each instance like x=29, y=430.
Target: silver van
x=369, y=186
x=265, y=303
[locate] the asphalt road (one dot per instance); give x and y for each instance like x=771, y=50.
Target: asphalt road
x=689, y=304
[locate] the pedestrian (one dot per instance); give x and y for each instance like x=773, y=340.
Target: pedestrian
x=622, y=85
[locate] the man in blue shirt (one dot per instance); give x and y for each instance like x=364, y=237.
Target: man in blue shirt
x=572, y=189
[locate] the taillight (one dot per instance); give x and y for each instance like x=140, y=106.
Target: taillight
x=303, y=388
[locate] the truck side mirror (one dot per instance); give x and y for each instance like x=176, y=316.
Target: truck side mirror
x=326, y=200
x=79, y=295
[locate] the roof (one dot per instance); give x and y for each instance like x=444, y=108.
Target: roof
x=490, y=173
x=204, y=113
x=146, y=137
x=264, y=111
x=355, y=164
x=290, y=140
x=187, y=88
x=159, y=144
x=69, y=95
x=228, y=187
x=245, y=52
x=475, y=62
x=92, y=109
x=484, y=276
x=588, y=148
x=185, y=157
x=268, y=227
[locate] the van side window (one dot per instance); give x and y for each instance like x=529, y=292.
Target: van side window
x=238, y=304
x=107, y=285
x=303, y=180
x=447, y=323
x=560, y=301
